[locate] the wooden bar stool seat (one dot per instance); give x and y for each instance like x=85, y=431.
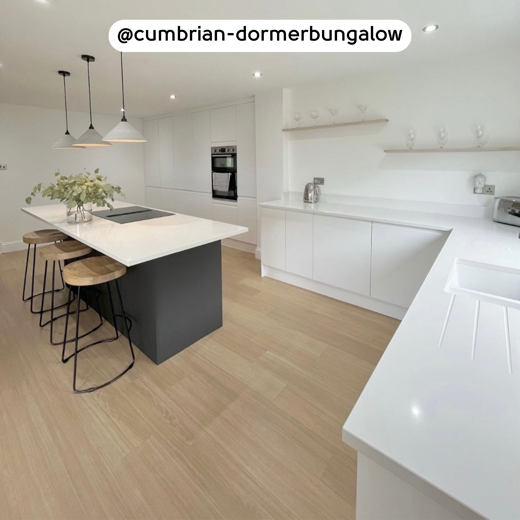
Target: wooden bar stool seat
x=44, y=236
x=91, y=272
x=58, y=252
x=33, y=239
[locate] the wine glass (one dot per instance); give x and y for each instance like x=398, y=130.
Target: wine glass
x=362, y=109
x=482, y=136
x=314, y=115
x=298, y=117
x=410, y=139
x=334, y=113
x=442, y=136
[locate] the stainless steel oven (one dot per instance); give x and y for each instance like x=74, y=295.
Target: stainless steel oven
x=224, y=172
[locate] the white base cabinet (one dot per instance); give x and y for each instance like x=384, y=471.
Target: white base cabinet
x=273, y=238
x=401, y=259
x=298, y=243
x=370, y=264
x=341, y=253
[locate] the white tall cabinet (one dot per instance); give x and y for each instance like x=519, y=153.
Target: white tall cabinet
x=178, y=164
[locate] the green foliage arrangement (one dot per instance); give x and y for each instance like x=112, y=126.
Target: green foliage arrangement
x=78, y=190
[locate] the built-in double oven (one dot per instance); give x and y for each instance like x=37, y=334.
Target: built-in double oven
x=224, y=172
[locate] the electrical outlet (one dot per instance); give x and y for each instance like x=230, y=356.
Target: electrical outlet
x=319, y=181
x=3, y=166
x=489, y=189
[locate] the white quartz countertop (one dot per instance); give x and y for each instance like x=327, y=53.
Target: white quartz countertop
x=452, y=422
x=137, y=242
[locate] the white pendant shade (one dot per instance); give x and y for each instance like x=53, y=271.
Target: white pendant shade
x=66, y=143
x=90, y=139
x=124, y=132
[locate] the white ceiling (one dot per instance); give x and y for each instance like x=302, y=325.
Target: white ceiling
x=36, y=40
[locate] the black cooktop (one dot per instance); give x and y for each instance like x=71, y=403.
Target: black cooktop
x=130, y=214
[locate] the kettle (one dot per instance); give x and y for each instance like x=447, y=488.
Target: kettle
x=311, y=193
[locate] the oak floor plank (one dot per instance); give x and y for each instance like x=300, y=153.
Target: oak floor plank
x=244, y=424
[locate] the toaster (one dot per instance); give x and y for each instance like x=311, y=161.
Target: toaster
x=507, y=210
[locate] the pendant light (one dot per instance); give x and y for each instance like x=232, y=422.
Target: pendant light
x=124, y=132
x=65, y=142
x=91, y=138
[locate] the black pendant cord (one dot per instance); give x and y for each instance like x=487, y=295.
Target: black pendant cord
x=123, y=89
x=66, y=114
x=89, y=94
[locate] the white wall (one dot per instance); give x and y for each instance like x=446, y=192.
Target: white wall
x=269, y=117
x=482, y=88
x=26, y=135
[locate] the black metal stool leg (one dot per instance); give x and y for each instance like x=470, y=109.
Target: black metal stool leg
x=43, y=294
x=24, y=299
x=78, y=350
x=32, y=281
x=66, y=326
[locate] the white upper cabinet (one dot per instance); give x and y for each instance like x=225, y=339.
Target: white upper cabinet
x=201, y=179
x=273, y=238
x=298, y=250
x=246, y=150
x=166, y=151
x=151, y=153
x=341, y=253
x=224, y=124
x=183, y=151
x=401, y=259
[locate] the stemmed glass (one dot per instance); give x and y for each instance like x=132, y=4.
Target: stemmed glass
x=410, y=139
x=314, y=115
x=482, y=136
x=442, y=137
x=334, y=113
x=362, y=109
x=297, y=117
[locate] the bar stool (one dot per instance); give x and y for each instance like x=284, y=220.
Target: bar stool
x=34, y=238
x=90, y=272
x=59, y=252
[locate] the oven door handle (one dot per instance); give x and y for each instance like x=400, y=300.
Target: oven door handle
x=222, y=155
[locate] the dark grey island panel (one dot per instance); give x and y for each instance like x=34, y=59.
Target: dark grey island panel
x=173, y=301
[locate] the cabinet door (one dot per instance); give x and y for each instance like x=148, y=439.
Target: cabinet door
x=166, y=151
x=401, y=259
x=193, y=204
x=298, y=249
x=225, y=213
x=246, y=150
x=224, y=124
x=151, y=153
x=201, y=180
x=247, y=215
x=160, y=198
x=273, y=238
x=341, y=253
x=183, y=152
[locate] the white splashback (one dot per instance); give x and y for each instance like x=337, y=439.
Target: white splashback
x=482, y=88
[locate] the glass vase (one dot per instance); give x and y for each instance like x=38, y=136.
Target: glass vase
x=79, y=214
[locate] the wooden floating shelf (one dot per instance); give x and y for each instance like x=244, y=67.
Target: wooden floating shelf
x=337, y=125
x=456, y=150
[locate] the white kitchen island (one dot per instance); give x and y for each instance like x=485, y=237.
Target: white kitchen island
x=173, y=287
x=437, y=434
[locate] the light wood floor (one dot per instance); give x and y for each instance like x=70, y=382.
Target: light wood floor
x=244, y=424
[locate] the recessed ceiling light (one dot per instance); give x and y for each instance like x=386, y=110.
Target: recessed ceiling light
x=172, y=96
x=430, y=28
x=257, y=74
x=42, y=1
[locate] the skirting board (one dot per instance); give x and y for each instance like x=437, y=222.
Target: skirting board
x=236, y=244
x=388, y=309
x=13, y=245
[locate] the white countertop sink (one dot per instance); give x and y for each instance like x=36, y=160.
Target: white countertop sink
x=485, y=282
